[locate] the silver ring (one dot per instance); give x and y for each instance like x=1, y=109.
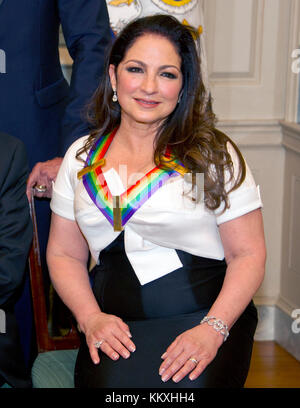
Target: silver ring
x=98, y=343
x=41, y=188
x=194, y=360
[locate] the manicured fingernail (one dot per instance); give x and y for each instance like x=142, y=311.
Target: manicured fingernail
x=161, y=371
x=129, y=334
x=132, y=348
x=176, y=379
x=192, y=377
x=126, y=355
x=115, y=356
x=165, y=378
x=164, y=355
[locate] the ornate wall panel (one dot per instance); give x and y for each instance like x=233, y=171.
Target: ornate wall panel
x=235, y=39
x=247, y=52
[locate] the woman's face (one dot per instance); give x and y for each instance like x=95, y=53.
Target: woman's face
x=148, y=80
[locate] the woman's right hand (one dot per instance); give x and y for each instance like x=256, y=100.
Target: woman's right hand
x=112, y=332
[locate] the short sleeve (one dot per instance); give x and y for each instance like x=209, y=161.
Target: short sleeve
x=242, y=200
x=63, y=189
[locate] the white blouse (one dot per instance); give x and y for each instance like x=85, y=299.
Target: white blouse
x=168, y=220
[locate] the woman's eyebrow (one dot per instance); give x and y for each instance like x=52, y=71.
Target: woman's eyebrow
x=161, y=67
x=170, y=66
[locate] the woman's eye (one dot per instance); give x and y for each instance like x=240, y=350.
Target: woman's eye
x=134, y=69
x=168, y=75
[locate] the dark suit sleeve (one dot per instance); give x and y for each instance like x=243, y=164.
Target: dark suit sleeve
x=15, y=221
x=85, y=24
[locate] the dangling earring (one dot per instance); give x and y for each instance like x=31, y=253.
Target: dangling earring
x=115, y=97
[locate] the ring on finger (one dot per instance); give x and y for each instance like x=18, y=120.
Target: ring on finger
x=97, y=344
x=41, y=188
x=194, y=360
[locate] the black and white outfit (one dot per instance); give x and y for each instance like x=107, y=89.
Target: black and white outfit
x=161, y=275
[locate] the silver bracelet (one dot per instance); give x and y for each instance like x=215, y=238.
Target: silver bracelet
x=216, y=324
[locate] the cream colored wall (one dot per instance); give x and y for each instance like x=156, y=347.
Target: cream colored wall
x=249, y=44
x=289, y=298
x=247, y=53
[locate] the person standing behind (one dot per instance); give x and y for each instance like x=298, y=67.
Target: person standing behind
x=36, y=103
x=15, y=240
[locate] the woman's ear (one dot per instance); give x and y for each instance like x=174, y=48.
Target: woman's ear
x=112, y=76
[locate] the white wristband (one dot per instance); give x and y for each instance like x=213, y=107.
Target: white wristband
x=216, y=324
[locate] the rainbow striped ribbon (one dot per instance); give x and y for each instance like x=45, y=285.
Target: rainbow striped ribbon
x=119, y=209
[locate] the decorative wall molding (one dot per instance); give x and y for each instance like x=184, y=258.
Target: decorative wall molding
x=290, y=267
x=285, y=334
x=263, y=133
x=293, y=82
x=291, y=135
x=294, y=227
x=279, y=301
x=265, y=300
x=253, y=133
x=250, y=56
x=275, y=323
x=247, y=53
x=285, y=305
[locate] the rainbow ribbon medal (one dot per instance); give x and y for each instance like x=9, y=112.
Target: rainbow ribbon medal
x=119, y=209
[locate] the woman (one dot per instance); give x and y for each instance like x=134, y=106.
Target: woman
x=164, y=298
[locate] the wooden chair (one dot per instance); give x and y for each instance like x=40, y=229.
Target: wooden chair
x=54, y=365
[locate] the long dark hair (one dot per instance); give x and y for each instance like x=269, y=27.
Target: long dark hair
x=190, y=128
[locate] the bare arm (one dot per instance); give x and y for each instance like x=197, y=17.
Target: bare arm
x=68, y=267
x=67, y=255
x=245, y=254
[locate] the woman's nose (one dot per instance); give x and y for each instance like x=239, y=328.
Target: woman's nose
x=149, y=84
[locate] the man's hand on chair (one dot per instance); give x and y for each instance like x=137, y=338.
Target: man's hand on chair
x=40, y=179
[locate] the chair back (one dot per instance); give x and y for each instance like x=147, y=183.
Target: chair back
x=45, y=342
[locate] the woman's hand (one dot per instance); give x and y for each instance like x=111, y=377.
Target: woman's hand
x=190, y=353
x=113, y=334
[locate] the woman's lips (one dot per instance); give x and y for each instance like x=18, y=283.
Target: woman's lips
x=147, y=103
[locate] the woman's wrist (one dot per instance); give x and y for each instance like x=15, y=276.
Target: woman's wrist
x=83, y=321
x=217, y=324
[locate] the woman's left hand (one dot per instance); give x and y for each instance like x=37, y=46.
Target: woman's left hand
x=190, y=353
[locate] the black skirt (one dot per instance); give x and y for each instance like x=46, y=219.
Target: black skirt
x=156, y=314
